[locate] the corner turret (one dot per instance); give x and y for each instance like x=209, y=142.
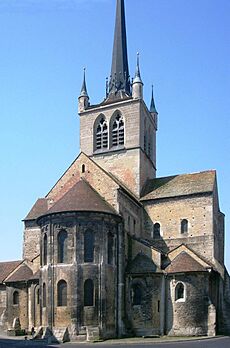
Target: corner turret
x=83, y=99
x=137, y=87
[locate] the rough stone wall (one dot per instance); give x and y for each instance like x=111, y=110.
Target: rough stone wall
x=122, y=161
x=168, y=213
x=2, y=306
x=145, y=318
x=18, y=310
x=31, y=240
x=218, y=229
x=76, y=316
x=189, y=317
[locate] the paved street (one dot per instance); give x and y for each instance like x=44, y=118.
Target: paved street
x=222, y=342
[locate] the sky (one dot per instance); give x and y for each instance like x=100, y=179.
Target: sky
x=184, y=52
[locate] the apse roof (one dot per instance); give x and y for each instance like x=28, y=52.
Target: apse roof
x=81, y=197
x=184, y=263
x=179, y=185
x=38, y=209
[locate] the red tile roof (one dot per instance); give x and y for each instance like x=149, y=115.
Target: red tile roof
x=23, y=273
x=8, y=267
x=38, y=209
x=179, y=185
x=184, y=263
x=81, y=197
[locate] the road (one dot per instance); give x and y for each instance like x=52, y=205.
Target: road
x=222, y=342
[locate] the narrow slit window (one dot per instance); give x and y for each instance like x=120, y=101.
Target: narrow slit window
x=62, y=246
x=16, y=298
x=184, y=226
x=88, y=246
x=179, y=292
x=156, y=230
x=88, y=293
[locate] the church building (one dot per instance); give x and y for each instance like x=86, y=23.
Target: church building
x=113, y=250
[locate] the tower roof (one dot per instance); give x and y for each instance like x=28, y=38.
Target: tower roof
x=84, y=92
x=119, y=80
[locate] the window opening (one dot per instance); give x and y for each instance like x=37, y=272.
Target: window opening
x=83, y=168
x=137, y=294
x=110, y=248
x=88, y=246
x=118, y=131
x=179, y=292
x=62, y=293
x=44, y=295
x=15, y=298
x=102, y=134
x=88, y=293
x=45, y=250
x=156, y=230
x=62, y=246
x=184, y=226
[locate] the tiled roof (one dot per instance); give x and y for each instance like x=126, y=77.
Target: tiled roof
x=141, y=264
x=81, y=197
x=6, y=268
x=35, y=276
x=38, y=209
x=184, y=263
x=179, y=185
x=23, y=273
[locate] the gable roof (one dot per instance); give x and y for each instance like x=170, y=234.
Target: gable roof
x=23, y=273
x=6, y=268
x=81, y=197
x=184, y=263
x=38, y=209
x=179, y=185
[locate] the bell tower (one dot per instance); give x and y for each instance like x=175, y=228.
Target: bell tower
x=120, y=133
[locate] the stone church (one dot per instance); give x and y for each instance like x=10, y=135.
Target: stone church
x=112, y=250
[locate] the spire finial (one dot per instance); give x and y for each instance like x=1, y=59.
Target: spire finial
x=152, y=105
x=137, y=78
x=120, y=71
x=83, y=88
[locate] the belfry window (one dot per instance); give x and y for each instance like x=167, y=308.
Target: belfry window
x=136, y=294
x=62, y=293
x=180, y=292
x=118, y=131
x=15, y=298
x=101, y=134
x=62, y=247
x=88, y=293
x=45, y=250
x=156, y=230
x=88, y=246
x=184, y=226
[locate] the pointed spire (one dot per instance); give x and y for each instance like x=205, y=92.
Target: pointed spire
x=152, y=105
x=137, y=78
x=119, y=80
x=83, y=88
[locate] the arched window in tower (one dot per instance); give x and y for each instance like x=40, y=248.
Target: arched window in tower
x=118, y=131
x=62, y=247
x=101, y=134
x=179, y=292
x=15, y=298
x=88, y=246
x=88, y=293
x=156, y=230
x=136, y=294
x=110, y=248
x=44, y=295
x=45, y=250
x=184, y=226
x=62, y=293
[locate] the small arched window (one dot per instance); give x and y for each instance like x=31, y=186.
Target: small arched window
x=44, y=295
x=62, y=293
x=15, y=298
x=83, y=168
x=101, y=134
x=110, y=248
x=88, y=293
x=45, y=249
x=156, y=230
x=184, y=226
x=118, y=131
x=136, y=294
x=62, y=247
x=179, y=292
x=88, y=246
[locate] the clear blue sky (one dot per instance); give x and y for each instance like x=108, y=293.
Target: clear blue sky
x=44, y=45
